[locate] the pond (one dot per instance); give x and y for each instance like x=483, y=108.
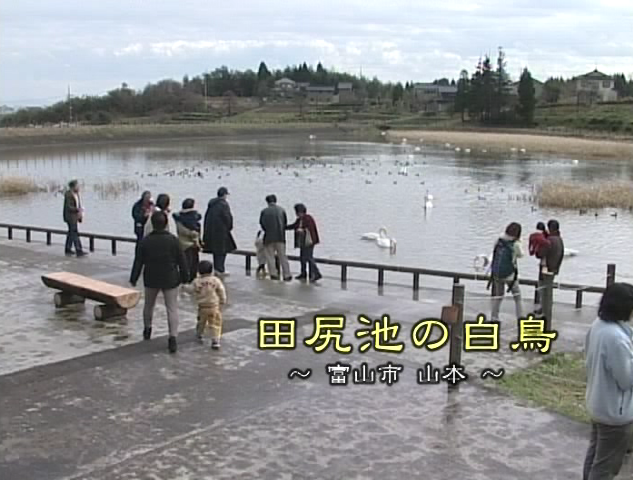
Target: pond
x=349, y=187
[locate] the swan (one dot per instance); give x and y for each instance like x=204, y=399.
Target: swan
x=428, y=200
x=575, y=162
x=523, y=150
x=374, y=236
x=569, y=252
x=383, y=241
x=312, y=137
x=467, y=150
x=457, y=149
x=417, y=149
x=482, y=262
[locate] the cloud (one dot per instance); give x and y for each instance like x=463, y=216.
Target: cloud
x=133, y=49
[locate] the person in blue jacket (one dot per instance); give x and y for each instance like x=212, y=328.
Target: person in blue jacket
x=609, y=395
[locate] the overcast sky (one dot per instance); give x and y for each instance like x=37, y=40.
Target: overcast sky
x=94, y=45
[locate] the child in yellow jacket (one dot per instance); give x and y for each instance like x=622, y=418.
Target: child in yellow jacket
x=210, y=296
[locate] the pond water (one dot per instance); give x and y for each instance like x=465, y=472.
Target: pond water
x=350, y=188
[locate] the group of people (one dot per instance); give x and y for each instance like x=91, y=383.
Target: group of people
x=168, y=260
x=546, y=244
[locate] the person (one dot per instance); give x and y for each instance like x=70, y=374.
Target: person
x=164, y=268
x=537, y=241
x=261, y=255
x=504, y=271
x=188, y=229
x=609, y=391
x=555, y=248
x=141, y=211
x=210, y=296
x=73, y=215
x=218, y=223
x=274, y=221
x=162, y=205
x=306, y=237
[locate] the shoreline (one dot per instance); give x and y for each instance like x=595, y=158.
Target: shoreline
x=504, y=142
x=21, y=138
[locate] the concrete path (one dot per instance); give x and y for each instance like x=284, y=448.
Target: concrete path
x=86, y=400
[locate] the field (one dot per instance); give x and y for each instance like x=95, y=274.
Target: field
x=609, y=118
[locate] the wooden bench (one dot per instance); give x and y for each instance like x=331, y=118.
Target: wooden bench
x=115, y=300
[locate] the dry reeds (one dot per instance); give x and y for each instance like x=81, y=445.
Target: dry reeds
x=11, y=186
x=582, y=196
x=114, y=189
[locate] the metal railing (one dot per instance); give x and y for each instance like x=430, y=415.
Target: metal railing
x=344, y=265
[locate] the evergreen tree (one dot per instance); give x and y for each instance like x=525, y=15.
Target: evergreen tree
x=527, y=98
x=397, y=93
x=463, y=94
x=263, y=73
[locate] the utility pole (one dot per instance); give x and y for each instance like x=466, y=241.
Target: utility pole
x=206, y=102
x=70, y=108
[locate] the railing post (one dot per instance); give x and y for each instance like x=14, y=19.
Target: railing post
x=248, y=264
x=381, y=277
x=10, y=233
x=578, y=298
x=455, y=351
x=113, y=247
x=343, y=273
x=49, y=239
x=416, y=281
x=547, y=297
x=28, y=235
x=455, y=280
x=610, y=274
x=537, y=292
x=92, y=243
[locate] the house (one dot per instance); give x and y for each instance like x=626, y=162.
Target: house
x=320, y=94
x=346, y=92
x=434, y=98
x=595, y=86
x=301, y=86
x=285, y=84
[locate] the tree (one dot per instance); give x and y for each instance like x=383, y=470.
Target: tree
x=397, y=93
x=443, y=82
x=503, y=84
x=552, y=90
x=262, y=72
x=463, y=94
x=527, y=98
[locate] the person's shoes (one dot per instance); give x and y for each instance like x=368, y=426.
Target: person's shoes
x=303, y=276
x=215, y=344
x=81, y=254
x=172, y=345
x=316, y=278
x=274, y=277
x=147, y=333
x=287, y=279
x=223, y=274
x=69, y=253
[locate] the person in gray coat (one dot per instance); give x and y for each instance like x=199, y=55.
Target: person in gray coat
x=274, y=221
x=609, y=394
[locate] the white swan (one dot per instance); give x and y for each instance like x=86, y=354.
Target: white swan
x=312, y=137
x=372, y=235
x=482, y=262
x=383, y=241
x=467, y=150
x=428, y=200
x=457, y=149
x=569, y=252
x=417, y=149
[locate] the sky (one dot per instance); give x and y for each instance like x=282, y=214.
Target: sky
x=95, y=45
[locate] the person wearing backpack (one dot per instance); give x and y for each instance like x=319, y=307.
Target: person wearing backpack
x=504, y=271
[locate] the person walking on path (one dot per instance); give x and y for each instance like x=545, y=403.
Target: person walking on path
x=218, y=224
x=306, y=237
x=210, y=296
x=73, y=215
x=504, y=271
x=609, y=391
x=274, y=221
x=163, y=203
x=188, y=229
x=164, y=268
x=141, y=212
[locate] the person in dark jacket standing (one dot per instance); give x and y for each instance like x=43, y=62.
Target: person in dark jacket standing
x=555, y=250
x=274, y=221
x=306, y=237
x=164, y=268
x=188, y=229
x=73, y=214
x=218, y=223
x=141, y=211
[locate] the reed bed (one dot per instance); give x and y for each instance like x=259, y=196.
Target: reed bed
x=584, y=196
x=115, y=188
x=13, y=186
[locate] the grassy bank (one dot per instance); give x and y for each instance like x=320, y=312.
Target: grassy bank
x=585, y=195
x=557, y=383
x=504, y=143
x=19, y=186
x=21, y=137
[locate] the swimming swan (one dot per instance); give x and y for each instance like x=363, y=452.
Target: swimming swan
x=568, y=252
x=428, y=200
x=383, y=241
x=373, y=236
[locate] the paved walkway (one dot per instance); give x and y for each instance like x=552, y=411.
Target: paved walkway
x=84, y=400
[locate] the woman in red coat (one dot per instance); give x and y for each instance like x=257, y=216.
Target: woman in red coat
x=306, y=237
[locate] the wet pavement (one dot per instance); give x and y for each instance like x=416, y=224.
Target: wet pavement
x=82, y=399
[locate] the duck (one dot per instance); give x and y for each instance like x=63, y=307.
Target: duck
x=428, y=200
x=383, y=241
x=614, y=214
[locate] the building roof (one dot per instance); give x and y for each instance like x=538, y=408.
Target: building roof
x=434, y=86
x=321, y=89
x=345, y=85
x=595, y=75
x=285, y=80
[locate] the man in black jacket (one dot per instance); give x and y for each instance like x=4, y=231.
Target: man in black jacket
x=165, y=268
x=73, y=214
x=218, y=223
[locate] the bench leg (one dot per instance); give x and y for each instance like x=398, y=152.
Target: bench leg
x=105, y=312
x=62, y=299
